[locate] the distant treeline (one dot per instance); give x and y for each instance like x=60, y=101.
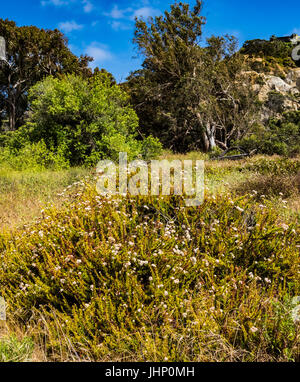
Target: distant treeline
x=188, y=95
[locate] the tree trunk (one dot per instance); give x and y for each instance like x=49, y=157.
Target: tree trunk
x=210, y=133
x=12, y=116
x=205, y=141
x=11, y=107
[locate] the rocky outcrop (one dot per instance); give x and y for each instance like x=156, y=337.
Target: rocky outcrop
x=279, y=94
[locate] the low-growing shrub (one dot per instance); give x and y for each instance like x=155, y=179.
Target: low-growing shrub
x=147, y=279
x=270, y=186
x=273, y=166
x=33, y=157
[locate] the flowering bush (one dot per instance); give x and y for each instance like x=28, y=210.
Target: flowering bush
x=145, y=278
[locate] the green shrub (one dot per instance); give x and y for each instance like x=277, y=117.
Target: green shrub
x=87, y=120
x=281, y=137
x=32, y=156
x=151, y=147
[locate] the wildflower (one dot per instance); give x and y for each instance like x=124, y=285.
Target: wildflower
x=239, y=209
x=253, y=329
x=166, y=293
x=78, y=261
x=193, y=260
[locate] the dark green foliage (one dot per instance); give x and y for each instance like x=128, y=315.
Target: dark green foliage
x=281, y=136
x=272, y=52
x=190, y=97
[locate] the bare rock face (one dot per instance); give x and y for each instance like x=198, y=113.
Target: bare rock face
x=293, y=78
x=279, y=94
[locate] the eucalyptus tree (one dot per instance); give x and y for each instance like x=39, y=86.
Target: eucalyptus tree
x=190, y=95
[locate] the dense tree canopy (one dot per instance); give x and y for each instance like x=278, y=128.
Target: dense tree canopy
x=190, y=96
x=84, y=119
x=32, y=54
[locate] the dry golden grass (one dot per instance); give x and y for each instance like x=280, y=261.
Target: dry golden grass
x=24, y=194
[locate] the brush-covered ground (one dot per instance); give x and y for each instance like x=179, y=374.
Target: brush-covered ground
x=92, y=277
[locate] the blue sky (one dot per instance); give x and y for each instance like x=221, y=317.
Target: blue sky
x=104, y=29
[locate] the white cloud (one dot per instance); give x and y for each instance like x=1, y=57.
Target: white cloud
x=129, y=14
x=146, y=12
x=117, y=13
x=57, y=3
x=117, y=25
x=87, y=6
x=69, y=26
x=99, y=52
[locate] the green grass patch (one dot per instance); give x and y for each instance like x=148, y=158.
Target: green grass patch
x=15, y=350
